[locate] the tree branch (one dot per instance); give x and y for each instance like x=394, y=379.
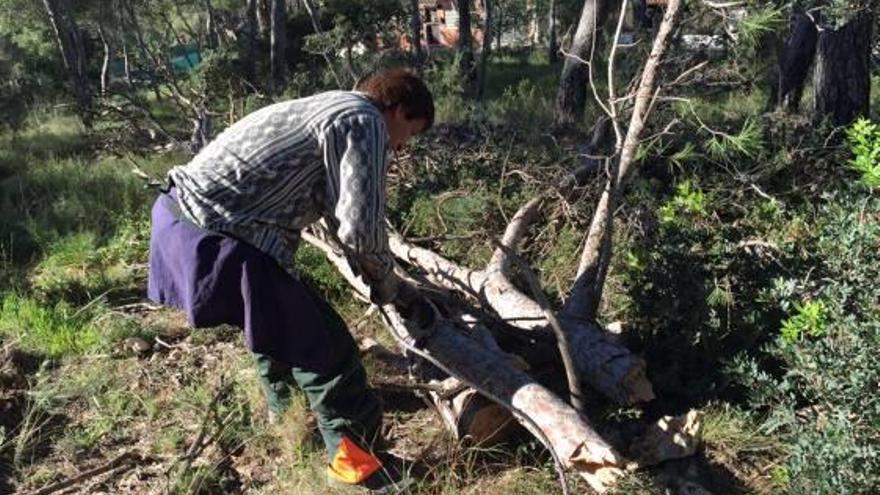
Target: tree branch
x=586, y=294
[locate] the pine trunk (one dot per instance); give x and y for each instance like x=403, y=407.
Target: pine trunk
x=552, y=44
x=572, y=94
x=795, y=60
x=842, y=78
x=465, y=46
x=70, y=45
x=211, y=26
x=250, y=42
x=278, y=42
x=415, y=25
x=105, y=65
x=487, y=48
x=264, y=18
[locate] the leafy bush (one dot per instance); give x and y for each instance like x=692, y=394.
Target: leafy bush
x=864, y=141
x=689, y=200
x=809, y=320
x=821, y=392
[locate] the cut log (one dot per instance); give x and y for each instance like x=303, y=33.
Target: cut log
x=473, y=418
x=556, y=424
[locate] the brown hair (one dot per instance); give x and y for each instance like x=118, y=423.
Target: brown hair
x=398, y=86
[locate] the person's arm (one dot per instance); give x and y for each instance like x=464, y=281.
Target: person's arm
x=356, y=162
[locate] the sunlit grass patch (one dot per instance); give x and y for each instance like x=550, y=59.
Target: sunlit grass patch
x=52, y=330
x=78, y=268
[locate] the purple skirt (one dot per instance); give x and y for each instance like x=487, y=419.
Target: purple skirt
x=217, y=279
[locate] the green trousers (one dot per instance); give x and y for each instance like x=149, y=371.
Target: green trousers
x=340, y=399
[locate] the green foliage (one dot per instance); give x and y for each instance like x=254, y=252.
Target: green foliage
x=809, y=319
x=689, y=200
x=324, y=276
x=864, y=142
x=556, y=266
x=821, y=393
x=753, y=29
x=524, y=105
x=746, y=143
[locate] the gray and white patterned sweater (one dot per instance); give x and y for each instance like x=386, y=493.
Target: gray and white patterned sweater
x=284, y=166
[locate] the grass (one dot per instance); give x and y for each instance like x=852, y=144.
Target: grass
x=54, y=331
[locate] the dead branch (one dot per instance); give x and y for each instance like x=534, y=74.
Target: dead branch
x=574, y=384
x=127, y=459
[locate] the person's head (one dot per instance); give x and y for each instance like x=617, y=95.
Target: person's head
x=404, y=100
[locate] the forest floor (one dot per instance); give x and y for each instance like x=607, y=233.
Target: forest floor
x=183, y=413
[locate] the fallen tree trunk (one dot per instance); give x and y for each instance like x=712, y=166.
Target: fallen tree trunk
x=562, y=430
x=605, y=365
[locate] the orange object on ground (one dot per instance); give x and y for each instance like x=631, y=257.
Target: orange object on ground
x=351, y=464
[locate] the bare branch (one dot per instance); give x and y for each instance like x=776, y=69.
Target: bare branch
x=514, y=233
x=587, y=291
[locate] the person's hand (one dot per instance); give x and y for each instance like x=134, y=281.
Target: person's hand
x=414, y=307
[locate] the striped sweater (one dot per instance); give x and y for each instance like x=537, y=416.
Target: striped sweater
x=281, y=168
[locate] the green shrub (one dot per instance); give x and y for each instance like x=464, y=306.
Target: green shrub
x=864, y=142
x=809, y=320
x=689, y=199
x=821, y=392
x=525, y=105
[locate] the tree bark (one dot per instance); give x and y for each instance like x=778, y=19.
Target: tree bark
x=249, y=61
x=415, y=25
x=593, y=267
x=126, y=63
x=465, y=47
x=572, y=94
x=211, y=26
x=278, y=41
x=105, y=65
x=552, y=44
x=842, y=78
x=534, y=30
x=487, y=48
x=264, y=18
x=795, y=60
x=605, y=365
x=500, y=27
x=71, y=48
